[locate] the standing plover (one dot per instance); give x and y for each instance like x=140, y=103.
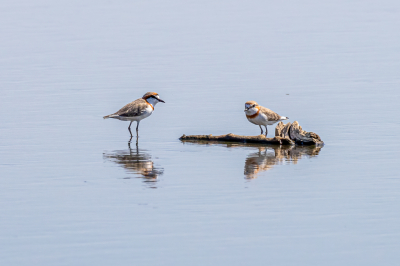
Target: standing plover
x=137, y=110
x=261, y=116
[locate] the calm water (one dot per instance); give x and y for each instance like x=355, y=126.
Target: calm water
x=73, y=191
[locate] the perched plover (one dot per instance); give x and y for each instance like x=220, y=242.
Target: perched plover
x=261, y=116
x=137, y=110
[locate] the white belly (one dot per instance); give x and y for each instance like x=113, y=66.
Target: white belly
x=262, y=120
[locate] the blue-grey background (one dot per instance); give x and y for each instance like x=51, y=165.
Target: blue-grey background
x=73, y=193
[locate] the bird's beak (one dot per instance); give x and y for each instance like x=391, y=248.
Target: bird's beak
x=246, y=109
x=160, y=100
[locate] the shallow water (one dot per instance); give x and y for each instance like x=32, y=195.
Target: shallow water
x=75, y=192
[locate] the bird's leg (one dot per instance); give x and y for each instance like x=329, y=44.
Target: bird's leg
x=261, y=129
x=137, y=129
x=129, y=128
x=266, y=131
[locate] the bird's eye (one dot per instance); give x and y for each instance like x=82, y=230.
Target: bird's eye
x=254, y=105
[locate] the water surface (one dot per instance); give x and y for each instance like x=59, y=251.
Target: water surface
x=75, y=192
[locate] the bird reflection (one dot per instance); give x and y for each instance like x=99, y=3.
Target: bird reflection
x=137, y=162
x=265, y=158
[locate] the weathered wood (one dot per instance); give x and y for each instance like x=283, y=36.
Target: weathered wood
x=282, y=130
x=278, y=129
x=301, y=137
x=285, y=134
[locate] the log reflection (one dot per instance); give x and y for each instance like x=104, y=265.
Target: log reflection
x=266, y=157
x=137, y=162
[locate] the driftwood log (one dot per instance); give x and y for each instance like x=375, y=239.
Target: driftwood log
x=285, y=134
x=297, y=134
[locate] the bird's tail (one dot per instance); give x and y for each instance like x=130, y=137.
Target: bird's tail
x=107, y=116
x=284, y=117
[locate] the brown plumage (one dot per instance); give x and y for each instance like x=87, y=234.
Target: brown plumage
x=149, y=94
x=135, y=108
x=272, y=116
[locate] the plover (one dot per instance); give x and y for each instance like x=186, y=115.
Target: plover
x=261, y=116
x=137, y=110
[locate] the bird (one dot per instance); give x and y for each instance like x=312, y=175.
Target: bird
x=261, y=116
x=137, y=110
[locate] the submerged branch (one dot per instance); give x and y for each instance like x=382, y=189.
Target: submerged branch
x=238, y=138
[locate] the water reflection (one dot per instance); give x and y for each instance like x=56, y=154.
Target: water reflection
x=137, y=162
x=266, y=156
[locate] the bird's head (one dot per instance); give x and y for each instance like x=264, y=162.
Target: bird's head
x=251, y=107
x=152, y=98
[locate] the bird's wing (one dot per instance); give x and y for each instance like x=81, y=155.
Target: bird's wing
x=271, y=115
x=135, y=108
